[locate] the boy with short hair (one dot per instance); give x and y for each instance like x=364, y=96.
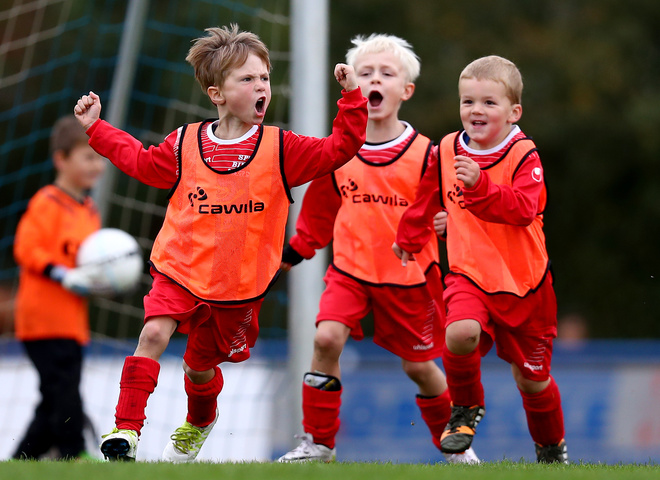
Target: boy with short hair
x=220, y=246
x=489, y=180
x=51, y=318
x=358, y=208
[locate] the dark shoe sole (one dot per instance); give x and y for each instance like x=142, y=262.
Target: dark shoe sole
x=456, y=443
x=115, y=450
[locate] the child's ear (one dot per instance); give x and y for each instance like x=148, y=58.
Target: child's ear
x=516, y=113
x=215, y=94
x=408, y=91
x=59, y=157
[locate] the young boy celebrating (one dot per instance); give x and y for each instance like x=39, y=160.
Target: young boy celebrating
x=358, y=207
x=219, y=249
x=489, y=180
x=51, y=317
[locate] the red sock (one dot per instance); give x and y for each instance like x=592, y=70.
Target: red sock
x=435, y=412
x=321, y=414
x=545, y=417
x=203, y=399
x=464, y=377
x=138, y=380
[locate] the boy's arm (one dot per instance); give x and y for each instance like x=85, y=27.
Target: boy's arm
x=517, y=204
x=307, y=158
x=155, y=166
x=34, y=250
x=315, y=224
x=33, y=247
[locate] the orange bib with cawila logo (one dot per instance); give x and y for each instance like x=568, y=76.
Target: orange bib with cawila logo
x=223, y=232
x=374, y=196
x=498, y=258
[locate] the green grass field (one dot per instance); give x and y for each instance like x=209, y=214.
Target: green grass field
x=335, y=471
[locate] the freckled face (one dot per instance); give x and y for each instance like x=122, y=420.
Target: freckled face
x=486, y=112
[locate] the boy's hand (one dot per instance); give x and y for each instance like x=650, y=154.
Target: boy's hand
x=78, y=280
x=440, y=223
x=88, y=109
x=290, y=258
x=345, y=75
x=467, y=170
x=402, y=254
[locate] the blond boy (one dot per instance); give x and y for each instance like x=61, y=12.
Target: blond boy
x=499, y=285
x=358, y=207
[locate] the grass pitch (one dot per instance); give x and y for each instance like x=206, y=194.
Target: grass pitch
x=19, y=470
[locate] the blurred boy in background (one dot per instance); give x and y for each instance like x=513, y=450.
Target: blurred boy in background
x=51, y=314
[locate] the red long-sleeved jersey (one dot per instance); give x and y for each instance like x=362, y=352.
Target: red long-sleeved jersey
x=304, y=158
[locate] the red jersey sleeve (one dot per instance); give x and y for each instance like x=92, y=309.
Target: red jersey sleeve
x=517, y=204
x=307, y=158
x=416, y=224
x=316, y=220
x=155, y=166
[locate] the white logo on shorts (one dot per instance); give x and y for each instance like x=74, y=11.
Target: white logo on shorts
x=534, y=368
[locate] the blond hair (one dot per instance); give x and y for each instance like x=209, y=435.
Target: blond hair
x=497, y=69
x=66, y=134
x=377, y=43
x=222, y=50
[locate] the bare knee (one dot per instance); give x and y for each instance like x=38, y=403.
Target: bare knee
x=330, y=339
x=462, y=337
x=525, y=384
x=427, y=375
x=196, y=376
x=155, y=337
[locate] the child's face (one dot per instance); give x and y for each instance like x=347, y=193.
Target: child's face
x=245, y=94
x=384, y=83
x=80, y=169
x=486, y=112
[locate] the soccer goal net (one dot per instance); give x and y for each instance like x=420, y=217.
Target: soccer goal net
x=52, y=52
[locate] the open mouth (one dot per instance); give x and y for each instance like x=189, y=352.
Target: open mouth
x=375, y=99
x=260, y=105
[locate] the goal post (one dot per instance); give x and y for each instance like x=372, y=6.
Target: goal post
x=310, y=75
x=120, y=90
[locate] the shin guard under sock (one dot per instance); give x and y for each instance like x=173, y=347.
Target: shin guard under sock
x=203, y=399
x=139, y=378
x=321, y=409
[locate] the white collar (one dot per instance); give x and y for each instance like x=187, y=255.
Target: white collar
x=515, y=130
x=211, y=134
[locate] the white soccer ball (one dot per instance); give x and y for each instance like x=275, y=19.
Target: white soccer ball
x=114, y=260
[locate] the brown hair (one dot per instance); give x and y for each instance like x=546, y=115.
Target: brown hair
x=497, y=69
x=66, y=134
x=222, y=50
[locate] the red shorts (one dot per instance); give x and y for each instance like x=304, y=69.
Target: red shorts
x=407, y=321
x=216, y=334
x=523, y=328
